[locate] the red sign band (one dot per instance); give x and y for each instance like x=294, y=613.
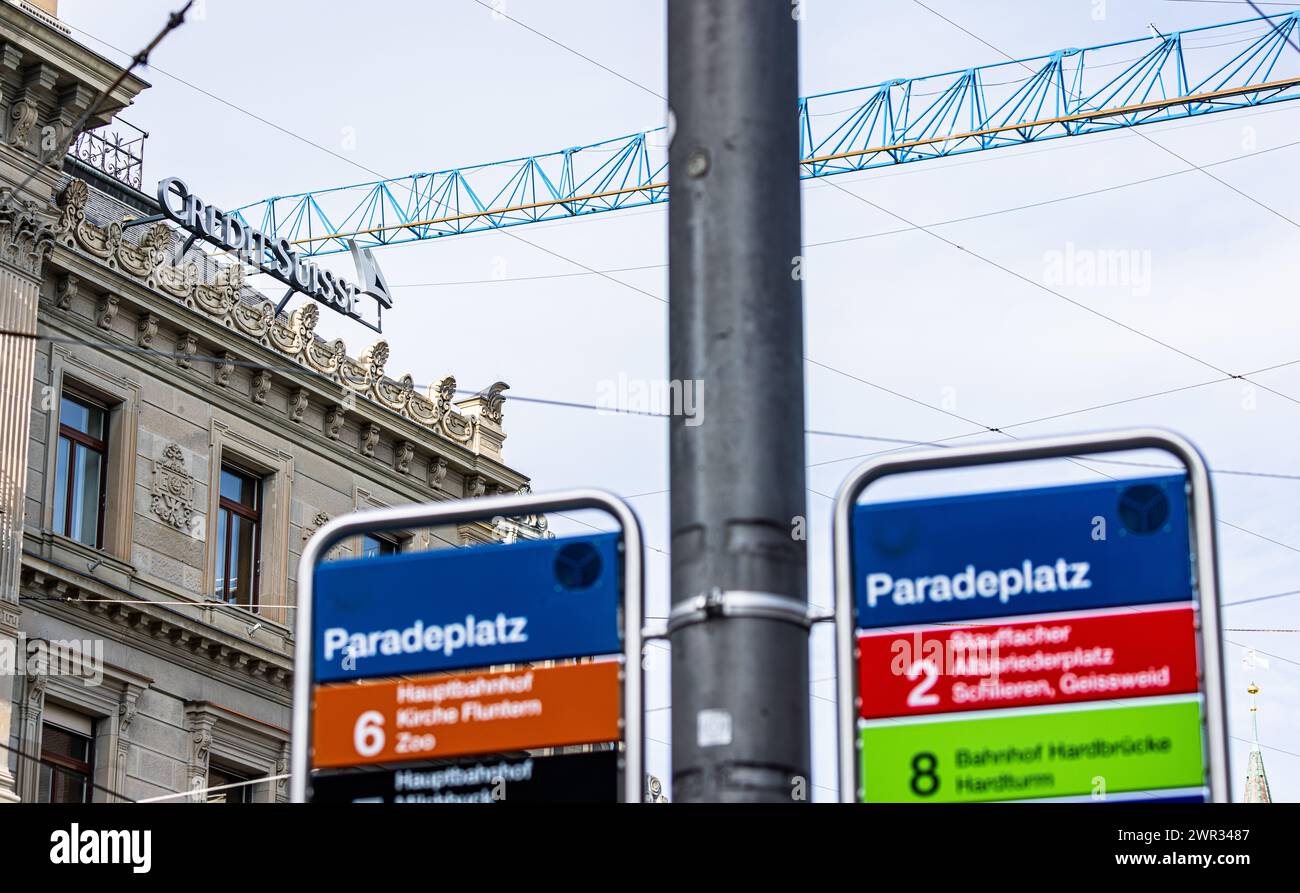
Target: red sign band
x=1051, y=661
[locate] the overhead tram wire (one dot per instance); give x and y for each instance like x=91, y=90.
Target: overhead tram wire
x=174, y=21
x=576, y=405
x=635, y=288
x=595, y=407
x=293, y=369
x=591, y=271
x=986, y=260
x=567, y=48
x=814, y=362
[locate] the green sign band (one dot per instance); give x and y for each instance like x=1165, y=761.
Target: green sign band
x=1034, y=754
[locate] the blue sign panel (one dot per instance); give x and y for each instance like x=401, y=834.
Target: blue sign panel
x=1022, y=552
x=450, y=609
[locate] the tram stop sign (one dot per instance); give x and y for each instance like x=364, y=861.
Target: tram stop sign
x=1039, y=644
x=432, y=675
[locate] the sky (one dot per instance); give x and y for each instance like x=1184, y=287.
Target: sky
x=257, y=99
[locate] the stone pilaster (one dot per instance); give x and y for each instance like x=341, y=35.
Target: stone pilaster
x=25, y=242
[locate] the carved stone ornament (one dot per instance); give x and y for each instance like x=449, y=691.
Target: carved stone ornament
x=402, y=457
x=321, y=519
x=146, y=329
x=172, y=499
x=475, y=485
x=152, y=261
x=333, y=423
x=222, y=371
x=316, y=524
x=503, y=531
x=369, y=439
x=437, y=472
x=298, y=404
x=186, y=346
x=261, y=386
x=68, y=286
x=494, y=399
x=106, y=311
x=23, y=115
x=26, y=240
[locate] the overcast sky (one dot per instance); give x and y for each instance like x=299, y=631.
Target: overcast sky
x=392, y=87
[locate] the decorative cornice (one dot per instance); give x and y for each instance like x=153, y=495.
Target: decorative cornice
x=151, y=263
x=220, y=651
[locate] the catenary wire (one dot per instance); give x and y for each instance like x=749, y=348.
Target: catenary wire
x=614, y=410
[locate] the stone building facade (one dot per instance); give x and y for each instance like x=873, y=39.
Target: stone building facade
x=168, y=443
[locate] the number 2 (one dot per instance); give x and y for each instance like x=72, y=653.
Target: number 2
x=920, y=695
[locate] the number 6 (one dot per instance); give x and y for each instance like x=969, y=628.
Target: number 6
x=368, y=734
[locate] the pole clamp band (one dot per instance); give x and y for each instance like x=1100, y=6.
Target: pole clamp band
x=738, y=603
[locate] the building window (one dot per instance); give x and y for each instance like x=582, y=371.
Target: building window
x=80, y=491
x=66, y=768
x=374, y=546
x=239, y=549
x=242, y=792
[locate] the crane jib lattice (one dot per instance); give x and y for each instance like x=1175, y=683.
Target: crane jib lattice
x=1070, y=92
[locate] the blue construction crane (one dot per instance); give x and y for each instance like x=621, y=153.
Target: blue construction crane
x=1070, y=92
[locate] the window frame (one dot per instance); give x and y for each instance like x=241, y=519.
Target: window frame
x=59, y=763
x=89, y=442
x=227, y=506
x=385, y=542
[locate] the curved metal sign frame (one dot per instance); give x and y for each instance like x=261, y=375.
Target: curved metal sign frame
x=455, y=512
x=1201, y=508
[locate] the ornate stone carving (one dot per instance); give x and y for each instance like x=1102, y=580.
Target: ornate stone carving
x=200, y=750
x=146, y=329
x=68, y=286
x=186, y=346
x=26, y=240
x=402, y=457
x=261, y=386
x=153, y=262
x=316, y=524
x=106, y=311
x=222, y=371
x=475, y=485
x=494, y=400
x=298, y=404
x=333, y=424
x=504, y=531
x=172, y=499
x=339, y=551
x=437, y=472
x=23, y=114
x=127, y=709
x=369, y=439
x=373, y=359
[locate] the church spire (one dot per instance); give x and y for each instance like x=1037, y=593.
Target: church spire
x=1256, y=780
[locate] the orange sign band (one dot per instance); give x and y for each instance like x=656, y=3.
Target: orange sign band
x=465, y=713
